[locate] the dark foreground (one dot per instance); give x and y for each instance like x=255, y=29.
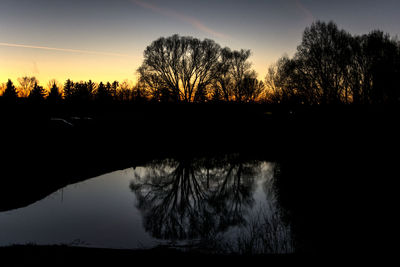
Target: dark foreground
x=336, y=181
x=75, y=256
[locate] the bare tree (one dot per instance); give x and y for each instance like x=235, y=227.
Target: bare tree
x=223, y=83
x=235, y=79
x=272, y=90
x=375, y=69
x=2, y=88
x=251, y=87
x=240, y=68
x=140, y=93
x=124, y=91
x=26, y=85
x=331, y=66
x=183, y=65
x=285, y=84
x=324, y=56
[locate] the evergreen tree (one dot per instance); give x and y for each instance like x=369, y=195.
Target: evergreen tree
x=83, y=92
x=10, y=94
x=114, y=88
x=68, y=90
x=55, y=94
x=37, y=94
x=103, y=94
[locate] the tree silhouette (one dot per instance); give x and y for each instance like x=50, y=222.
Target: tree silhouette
x=173, y=202
x=332, y=67
x=281, y=81
x=37, y=94
x=235, y=80
x=124, y=92
x=234, y=192
x=139, y=93
x=378, y=67
x=240, y=69
x=103, y=93
x=216, y=95
x=114, y=88
x=27, y=84
x=184, y=65
x=223, y=84
x=322, y=58
x=68, y=90
x=10, y=93
x=251, y=88
x=198, y=198
x=54, y=96
x=83, y=92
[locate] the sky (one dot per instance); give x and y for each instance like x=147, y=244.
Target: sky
x=104, y=40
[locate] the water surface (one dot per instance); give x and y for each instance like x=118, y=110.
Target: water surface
x=220, y=204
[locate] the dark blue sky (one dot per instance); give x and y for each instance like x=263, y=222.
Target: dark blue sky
x=87, y=34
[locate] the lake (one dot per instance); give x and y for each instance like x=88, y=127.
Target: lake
x=224, y=204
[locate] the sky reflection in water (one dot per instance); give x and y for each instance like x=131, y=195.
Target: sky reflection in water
x=175, y=202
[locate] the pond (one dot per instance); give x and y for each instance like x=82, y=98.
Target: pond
x=223, y=204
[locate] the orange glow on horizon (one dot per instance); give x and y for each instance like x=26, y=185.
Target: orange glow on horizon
x=48, y=63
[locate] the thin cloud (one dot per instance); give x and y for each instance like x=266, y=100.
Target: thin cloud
x=190, y=20
x=35, y=68
x=64, y=50
x=309, y=16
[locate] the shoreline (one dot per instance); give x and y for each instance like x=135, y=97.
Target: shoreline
x=337, y=167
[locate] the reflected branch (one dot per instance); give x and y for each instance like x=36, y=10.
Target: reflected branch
x=195, y=198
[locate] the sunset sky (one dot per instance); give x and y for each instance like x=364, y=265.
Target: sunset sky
x=104, y=40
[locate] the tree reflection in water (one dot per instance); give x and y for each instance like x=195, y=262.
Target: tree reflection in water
x=203, y=198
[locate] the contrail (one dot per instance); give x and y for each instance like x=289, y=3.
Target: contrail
x=190, y=20
x=64, y=50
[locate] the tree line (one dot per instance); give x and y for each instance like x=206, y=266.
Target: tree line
x=330, y=66
x=70, y=92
